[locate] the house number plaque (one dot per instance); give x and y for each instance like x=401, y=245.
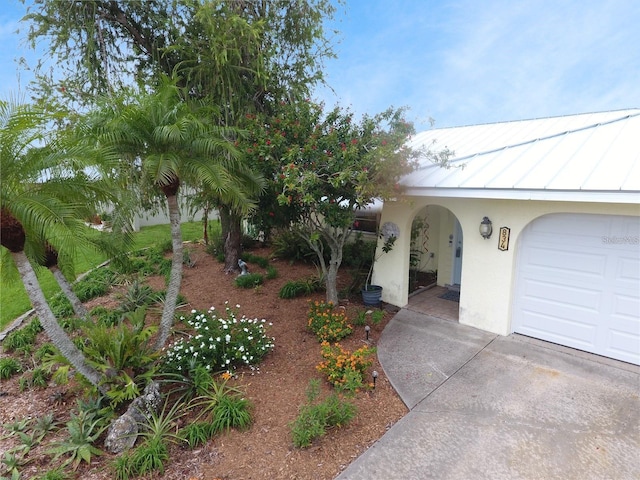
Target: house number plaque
x=503, y=239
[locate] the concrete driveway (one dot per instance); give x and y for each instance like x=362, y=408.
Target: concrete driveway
x=489, y=407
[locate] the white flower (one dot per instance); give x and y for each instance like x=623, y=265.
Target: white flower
x=237, y=305
x=227, y=338
x=193, y=311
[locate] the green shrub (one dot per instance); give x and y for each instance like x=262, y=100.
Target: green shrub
x=21, y=340
x=299, y=288
x=124, y=350
x=375, y=317
x=359, y=253
x=289, y=245
x=55, y=474
x=9, y=367
x=44, y=350
x=106, y=317
x=150, y=456
x=83, y=431
x=271, y=273
x=159, y=429
x=250, y=280
x=39, y=378
x=95, y=284
x=61, y=306
x=345, y=370
x=327, y=322
x=137, y=295
x=197, y=433
x=218, y=342
x=315, y=419
x=258, y=260
x=231, y=411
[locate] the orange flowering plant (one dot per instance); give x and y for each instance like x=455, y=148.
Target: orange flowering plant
x=330, y=324
x=345, y=370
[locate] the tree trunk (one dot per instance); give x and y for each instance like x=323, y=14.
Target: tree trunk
x=175, y=277
x=205, y=224
x=332, y=272
x=49, y=323
x=232, y=229
x=79, y=309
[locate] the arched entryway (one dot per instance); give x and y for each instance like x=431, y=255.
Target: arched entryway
x=435, y=263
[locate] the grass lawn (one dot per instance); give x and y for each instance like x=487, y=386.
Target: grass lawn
x=13, y=297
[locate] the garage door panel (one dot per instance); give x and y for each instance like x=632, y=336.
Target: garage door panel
x=564, y=262
x=625, y=306
x=623, y=346
x=559, y=329
x=581, y=226
x=628, y=270
x=578, y=283
x=553, y=295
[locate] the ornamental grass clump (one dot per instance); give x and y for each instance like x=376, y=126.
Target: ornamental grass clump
x=345, y=370
x=219, y=343
x=329, y=324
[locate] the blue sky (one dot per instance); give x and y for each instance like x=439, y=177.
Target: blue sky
x=462, y=62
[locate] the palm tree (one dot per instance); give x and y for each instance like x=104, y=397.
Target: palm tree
x=168, y=142
x=41, y=201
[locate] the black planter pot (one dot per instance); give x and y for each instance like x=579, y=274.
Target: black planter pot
x=371, y=295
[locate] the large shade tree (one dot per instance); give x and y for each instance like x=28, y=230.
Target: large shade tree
x=44, y=196
x=166, y=142
x=326, y=166
x=244, y=56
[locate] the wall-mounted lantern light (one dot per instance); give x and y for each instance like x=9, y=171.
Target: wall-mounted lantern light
x=486, y=228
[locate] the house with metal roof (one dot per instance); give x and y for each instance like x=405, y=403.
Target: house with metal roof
x=536, y=222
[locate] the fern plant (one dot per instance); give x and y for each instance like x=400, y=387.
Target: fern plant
x=125, y=351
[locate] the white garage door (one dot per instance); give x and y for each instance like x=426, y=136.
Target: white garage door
x=578, y=283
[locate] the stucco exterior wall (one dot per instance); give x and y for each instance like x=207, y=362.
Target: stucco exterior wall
x=487, y=273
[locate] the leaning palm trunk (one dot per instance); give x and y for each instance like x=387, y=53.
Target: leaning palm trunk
x=79, y=309
x=49, y=323
x=175, y=277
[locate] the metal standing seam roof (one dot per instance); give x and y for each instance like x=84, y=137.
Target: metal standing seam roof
x=586, y=157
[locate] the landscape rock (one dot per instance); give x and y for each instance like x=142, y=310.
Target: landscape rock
x=123, y=432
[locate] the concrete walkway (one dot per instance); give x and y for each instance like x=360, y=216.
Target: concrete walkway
x=490, y=407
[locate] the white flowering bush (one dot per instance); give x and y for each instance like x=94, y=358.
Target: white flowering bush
x=219, y=343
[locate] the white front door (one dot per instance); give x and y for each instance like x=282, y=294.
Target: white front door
x=578, y=283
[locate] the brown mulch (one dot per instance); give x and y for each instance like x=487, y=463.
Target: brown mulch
x=277, y=391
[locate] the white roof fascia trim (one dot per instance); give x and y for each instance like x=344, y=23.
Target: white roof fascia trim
x=514, y=194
